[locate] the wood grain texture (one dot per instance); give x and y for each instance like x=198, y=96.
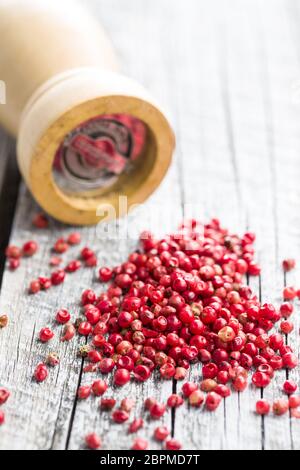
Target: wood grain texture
x=230, y=74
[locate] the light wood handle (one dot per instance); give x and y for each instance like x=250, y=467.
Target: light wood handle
x=60, y=71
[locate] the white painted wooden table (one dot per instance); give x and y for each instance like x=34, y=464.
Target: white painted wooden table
x=229, y=72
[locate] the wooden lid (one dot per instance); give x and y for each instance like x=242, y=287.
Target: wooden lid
x=63, y=104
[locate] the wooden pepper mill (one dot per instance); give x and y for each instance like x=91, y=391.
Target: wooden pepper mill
x=85, y=133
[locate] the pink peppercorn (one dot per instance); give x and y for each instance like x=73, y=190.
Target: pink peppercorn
x=63, y=316
x=85, y=328
x=41, y=372
x=107, y=404
x=69, y=332
x=294, y=401
x=4, y=395
x=34, y=287
x=13, y=251
x=127, y=404
x=188, y=388
x=84, y=392
x=161, y=433
x=29, y=248
x=172, y=444
x=280, y=406
x=136, y=424
x=139, y=444
x=157, y=410
x=262, y=407
x=105, y=274
x=288, y=264
x=74, y=238
x=99, y=387
x=196, y=398
x=93, y=441
x=174, y=401
x=121, y=377
x=45, y=335
x=120, y=416
x=212, y=401
x=289, y=293
x=289, y=387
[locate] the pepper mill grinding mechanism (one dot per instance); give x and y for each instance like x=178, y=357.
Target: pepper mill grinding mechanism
x=85, y=133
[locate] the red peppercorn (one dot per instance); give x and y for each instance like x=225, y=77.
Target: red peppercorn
x=57, y=277
x=92, y=314
x=34, y=287
x=212, y=401
x=286, y=309
x=106, y=365
x=91, y=262
x=196, y=398
x=60, y=246
x=280, y=406
x=209, y=371
x=88, y=297
x=121, y=377
x=45, y=335
x=139, y=444
x=288, y=264
x=262, y=407
x=74, y=238
x=289, y=387
x=294, y=401
x=167, y=371
x=105, y=274
x=120, y=416
x=29, y=248
x=149, y=402
x=207, y=385
x=188, y=388
x=157, y=410
x=41, y=372
x=86, y=253
x=289, y=293
x=3, y=321
x=44, y=283
x=13, y=251
x=260, y=379
x=173, y=444
x=84, y=391
x=52, y=359
x=136, y=424
x=85, y=328
x=4, y=395
x=13, y=263
x=289, y=360
x=239, y=383
x=180, y=373
x=93, y=441
x=63, y=316
x=94, y=356
x=223, y=390
x=73, y=266
x=161, y=433
x=2, y=417
x=99, y=387
x=174, y=401
x=40, y=221
x=107, y=404
x=69, y=332
x=141, y=373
